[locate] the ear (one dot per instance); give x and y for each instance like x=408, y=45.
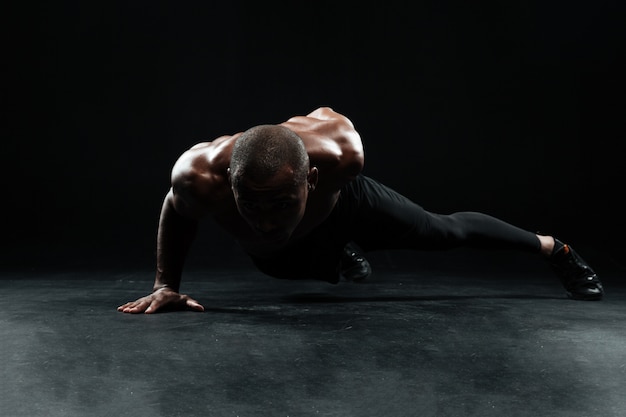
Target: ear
x=312, y=178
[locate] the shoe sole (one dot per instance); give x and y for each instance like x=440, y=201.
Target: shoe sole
x=581, y=297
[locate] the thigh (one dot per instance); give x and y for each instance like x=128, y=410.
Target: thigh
x=382, y=218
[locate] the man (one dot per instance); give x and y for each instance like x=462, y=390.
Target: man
x=294, y=197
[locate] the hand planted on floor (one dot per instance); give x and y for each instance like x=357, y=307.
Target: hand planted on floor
x=160, y=299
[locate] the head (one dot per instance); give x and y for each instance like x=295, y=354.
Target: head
x=271, y=178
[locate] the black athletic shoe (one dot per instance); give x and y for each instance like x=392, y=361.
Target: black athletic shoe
x=579, y=280
x=354, y=267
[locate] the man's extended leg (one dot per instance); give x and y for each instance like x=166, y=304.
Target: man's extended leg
x=384, y=219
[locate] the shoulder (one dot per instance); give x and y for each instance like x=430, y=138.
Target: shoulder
x=327, y=113
x=325, y=124
x=319, y=119
x=331, y=140
x=199, y=177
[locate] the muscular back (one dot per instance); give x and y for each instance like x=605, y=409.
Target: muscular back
x=200, y=183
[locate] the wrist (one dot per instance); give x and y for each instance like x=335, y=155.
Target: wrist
x=159, y=287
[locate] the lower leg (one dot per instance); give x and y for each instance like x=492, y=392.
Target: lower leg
x=547, y=244
x=476, y=229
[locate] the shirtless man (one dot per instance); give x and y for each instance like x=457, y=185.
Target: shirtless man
x=294, y=197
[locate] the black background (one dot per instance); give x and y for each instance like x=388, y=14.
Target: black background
x=512, y=108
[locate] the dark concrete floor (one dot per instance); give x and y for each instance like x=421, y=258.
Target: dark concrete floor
x=450, y=337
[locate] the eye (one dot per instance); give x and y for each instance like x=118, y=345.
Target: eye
x=284, y=205
x=248, y=206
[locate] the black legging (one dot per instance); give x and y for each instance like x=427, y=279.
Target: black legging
x=376, y=217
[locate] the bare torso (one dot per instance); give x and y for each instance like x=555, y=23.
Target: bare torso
x=200, y=176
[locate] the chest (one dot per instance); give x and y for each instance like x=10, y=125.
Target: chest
x=229, y=219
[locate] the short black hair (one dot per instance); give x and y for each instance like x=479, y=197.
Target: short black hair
x=261, y=151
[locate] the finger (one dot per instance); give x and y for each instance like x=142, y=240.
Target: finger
x=153, y=307
x=136, y=307
x=126, y=305
x=129, y=305
x=194, y=305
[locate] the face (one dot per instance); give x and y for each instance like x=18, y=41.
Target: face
x=273, y=208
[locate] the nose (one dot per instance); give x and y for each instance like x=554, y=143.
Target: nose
x=266, y=226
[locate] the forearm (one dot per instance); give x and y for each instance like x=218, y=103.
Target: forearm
x=174, y=238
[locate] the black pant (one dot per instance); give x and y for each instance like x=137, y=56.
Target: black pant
x=376, y=217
